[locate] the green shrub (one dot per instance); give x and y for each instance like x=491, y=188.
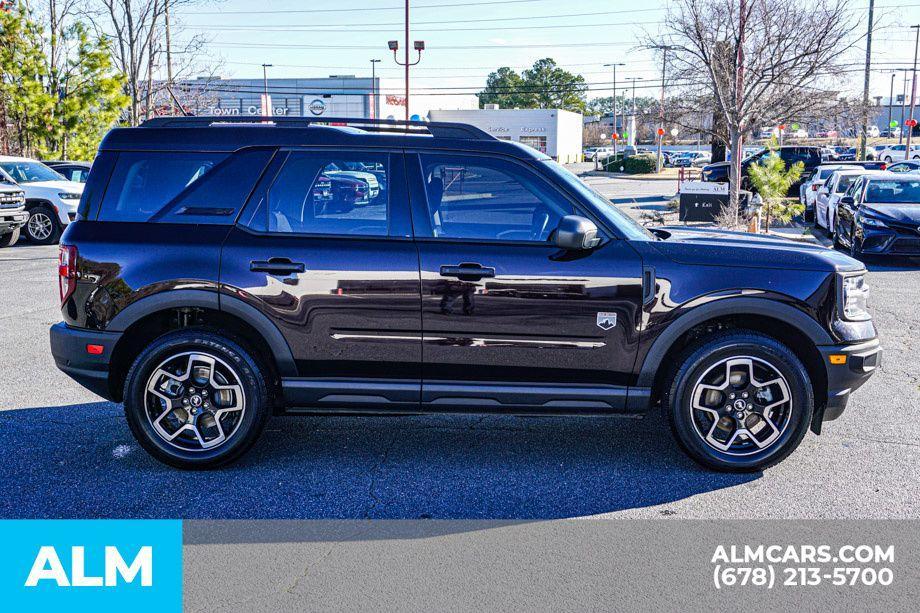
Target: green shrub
x=612, y=163
x=640, y=163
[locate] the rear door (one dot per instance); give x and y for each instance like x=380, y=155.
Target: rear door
x=324, y=249
x=509, y=319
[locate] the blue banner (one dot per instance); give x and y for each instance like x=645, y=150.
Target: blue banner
x=91, y=565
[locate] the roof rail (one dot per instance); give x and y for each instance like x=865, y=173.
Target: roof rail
x=434, y=128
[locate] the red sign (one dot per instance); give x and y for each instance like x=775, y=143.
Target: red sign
x=910, y=123
x=396, y=100
x=660, y=131
x=615, y=136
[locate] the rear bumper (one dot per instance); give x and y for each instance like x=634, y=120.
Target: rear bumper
x=68, y=346
x=861, y=361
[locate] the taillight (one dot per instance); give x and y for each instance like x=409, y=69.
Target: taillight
x=67, y=271
x=884, y=167
x=814, y=187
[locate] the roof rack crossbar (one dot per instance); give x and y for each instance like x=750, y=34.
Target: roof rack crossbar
x=435, y=128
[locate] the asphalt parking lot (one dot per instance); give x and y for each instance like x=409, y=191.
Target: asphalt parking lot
x=69, y=454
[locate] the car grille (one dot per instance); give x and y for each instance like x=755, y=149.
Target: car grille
x=11, y=200
x=906, y=246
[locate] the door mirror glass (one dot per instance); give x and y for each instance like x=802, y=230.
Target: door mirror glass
x=576, y=233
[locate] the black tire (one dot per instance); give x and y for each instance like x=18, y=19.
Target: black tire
x=229, y=354
x=35, y=232
x=706, y=356
x=856, y=251
x=9, y=239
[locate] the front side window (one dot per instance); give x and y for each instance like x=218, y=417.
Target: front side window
x=843, y=183
x=486, y=198
x=329, y=193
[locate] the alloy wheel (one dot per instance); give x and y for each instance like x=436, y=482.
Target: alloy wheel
x=194, y=401
x=40, y=226
x=741, y=405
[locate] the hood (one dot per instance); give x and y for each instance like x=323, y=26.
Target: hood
x=905, y=213
x=717, y=165
x=61, y=186
x=711, y=247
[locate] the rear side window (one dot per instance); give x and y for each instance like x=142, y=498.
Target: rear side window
x=181, y=187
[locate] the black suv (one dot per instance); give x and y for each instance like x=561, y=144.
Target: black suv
x=216, y=275
x=810, y=157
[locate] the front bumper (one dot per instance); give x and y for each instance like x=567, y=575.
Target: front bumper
x=10, y=219
x=893, y=240
x=69, y=348
x=856, y=365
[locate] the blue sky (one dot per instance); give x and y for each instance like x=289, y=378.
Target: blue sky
x=466, y=39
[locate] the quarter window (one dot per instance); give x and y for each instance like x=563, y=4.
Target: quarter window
x=326, y=193
x=489, y=199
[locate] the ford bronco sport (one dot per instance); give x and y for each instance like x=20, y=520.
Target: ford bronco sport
x=220, y=272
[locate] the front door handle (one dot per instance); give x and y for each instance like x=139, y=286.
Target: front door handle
x=467, y=272
x=277, y=266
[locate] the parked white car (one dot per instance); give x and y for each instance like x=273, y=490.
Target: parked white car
x=895, y=153
x=828, y=196
x=51, y=200
x=808, y=191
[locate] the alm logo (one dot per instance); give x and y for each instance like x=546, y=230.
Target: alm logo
x=47, y=567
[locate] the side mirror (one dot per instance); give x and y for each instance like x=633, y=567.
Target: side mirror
x=848, y=201
x=576, y=233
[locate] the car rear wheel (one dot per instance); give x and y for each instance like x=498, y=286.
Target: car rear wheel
x=9, y=239
x=740, y=401
x=43, y=227
x=196, y=400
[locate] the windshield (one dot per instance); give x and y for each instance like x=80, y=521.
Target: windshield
x=30, y=172
x=894, y=191
x=627, y=225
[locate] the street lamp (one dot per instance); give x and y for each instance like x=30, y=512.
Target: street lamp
x=615, y=132
x=913, y=93
x=375, y=104
x=266, y=105
x=632, y=129
x=418, y=45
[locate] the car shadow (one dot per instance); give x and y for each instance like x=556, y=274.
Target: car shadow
x=80, y=461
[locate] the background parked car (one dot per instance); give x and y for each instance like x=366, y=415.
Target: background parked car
x=51, y=200
x=691, y=158
x=12, y=212
x=809, y=156
x=809, y=189
x=895, y=153
x=880, y=214
x=905, y=166
x=72, y=171
x=827, y=197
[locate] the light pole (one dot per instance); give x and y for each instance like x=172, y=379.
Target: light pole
x=864, y=137
x=632, y=128
x=614, y=104
x=913, y=92
x=891, y=101
x=374, y=103
x=664, y=71
x=266, y=108
x=903, y=104
x=418, y=45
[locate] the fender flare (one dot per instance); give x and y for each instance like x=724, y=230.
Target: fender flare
x=269, y=332
x=720, y=308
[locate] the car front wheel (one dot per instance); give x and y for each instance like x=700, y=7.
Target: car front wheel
x=43, y=227
x=740, y=401
x=9, y=239
x=196, y=399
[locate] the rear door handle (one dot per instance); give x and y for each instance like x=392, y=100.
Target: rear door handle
x=277, y=266
x=467, y=272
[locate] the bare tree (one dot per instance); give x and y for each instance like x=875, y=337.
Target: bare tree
x=761, y=60
x=138, y=30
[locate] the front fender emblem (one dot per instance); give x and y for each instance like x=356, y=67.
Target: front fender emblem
x=606, y=321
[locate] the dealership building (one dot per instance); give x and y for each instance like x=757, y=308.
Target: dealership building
x=334, y=96
x=555, y=132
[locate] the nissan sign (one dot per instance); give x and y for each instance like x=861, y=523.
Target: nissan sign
x=317, y=107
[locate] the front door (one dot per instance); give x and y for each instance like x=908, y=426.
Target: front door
x=324, y=249
x=508, y=319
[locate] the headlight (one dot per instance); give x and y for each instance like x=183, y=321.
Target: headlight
x=872, y=222
x=68, y=196
x=853, y=297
